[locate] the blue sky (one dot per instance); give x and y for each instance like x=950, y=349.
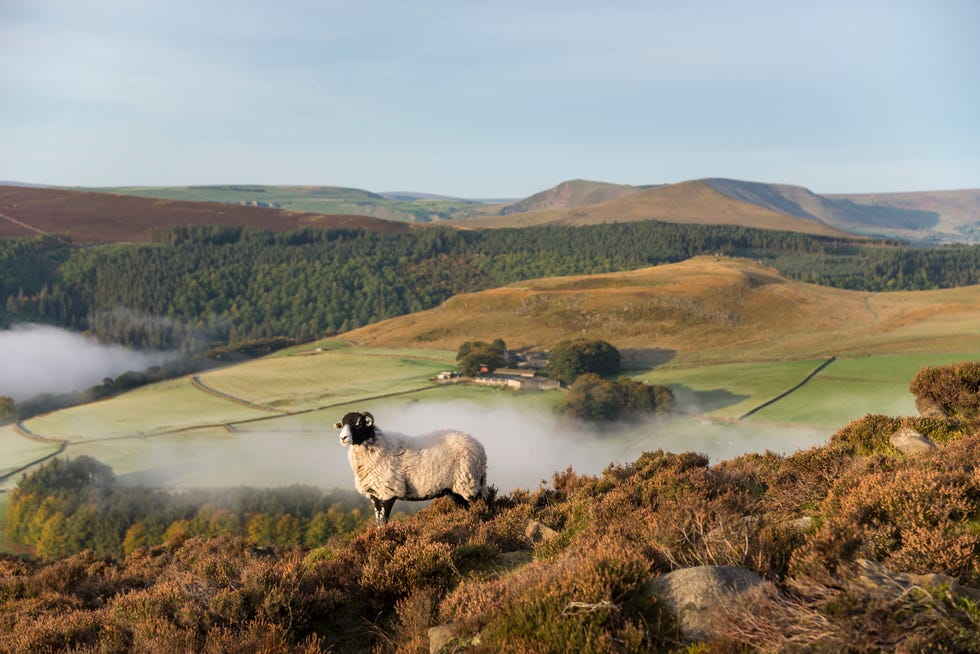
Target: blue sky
x=491, y=99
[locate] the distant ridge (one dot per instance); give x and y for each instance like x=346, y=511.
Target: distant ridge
x=841, y=213
x=88, y=217
x=573, y=193
x=958, y=210
x=685, y=202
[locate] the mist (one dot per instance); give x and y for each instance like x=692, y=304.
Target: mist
x=525, y=445
x=36, y=359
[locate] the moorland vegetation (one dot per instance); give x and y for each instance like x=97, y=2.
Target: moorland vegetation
x=860, y=546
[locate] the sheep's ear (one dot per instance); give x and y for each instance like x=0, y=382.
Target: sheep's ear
x=368, y=418
x=338, y=425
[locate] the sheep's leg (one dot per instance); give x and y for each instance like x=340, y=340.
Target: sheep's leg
x=460, y=501
x=382, y=509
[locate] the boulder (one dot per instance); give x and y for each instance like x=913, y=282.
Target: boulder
x=452, y=635
x=537, y=532
x=908, y=441
x=698, y=596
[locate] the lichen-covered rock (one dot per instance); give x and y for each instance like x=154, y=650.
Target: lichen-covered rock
x=698, y=596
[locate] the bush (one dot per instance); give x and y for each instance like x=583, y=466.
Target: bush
x=593, y=398
x=955, y=388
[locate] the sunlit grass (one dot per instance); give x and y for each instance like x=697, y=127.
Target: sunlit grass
x=17, y=450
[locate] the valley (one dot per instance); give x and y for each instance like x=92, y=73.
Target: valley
x=728, y=335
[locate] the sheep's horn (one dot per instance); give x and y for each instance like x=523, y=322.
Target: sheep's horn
x=368, y=417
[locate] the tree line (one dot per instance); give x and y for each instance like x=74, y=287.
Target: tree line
x=70, y=505
x=194, y=288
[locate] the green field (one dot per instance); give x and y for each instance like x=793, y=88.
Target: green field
x=850, y=388
x=314, y=199
x=270, y=421
x=17, y=451
x=844, y=390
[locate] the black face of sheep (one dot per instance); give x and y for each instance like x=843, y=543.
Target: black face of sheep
x=356, y=428
x=389, y=466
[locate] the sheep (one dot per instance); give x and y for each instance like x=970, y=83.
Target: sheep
x=389, y=466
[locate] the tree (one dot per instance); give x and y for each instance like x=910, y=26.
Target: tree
x=475, y=357
x=595, y=399
x=6, y=408
x=567, y=360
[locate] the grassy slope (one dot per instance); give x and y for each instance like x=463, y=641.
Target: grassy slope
x=686, y=202
x=703, y=310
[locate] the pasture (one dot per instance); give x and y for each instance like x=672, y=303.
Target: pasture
x=176, y=434
x=17, y=451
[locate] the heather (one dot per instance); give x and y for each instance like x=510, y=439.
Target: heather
x=860, y=546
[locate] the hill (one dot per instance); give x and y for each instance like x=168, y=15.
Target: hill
x=88, y=217
x=570, y=194
x=702, y=309
x=400, y=206
x=958, y=212
x=687, y=202
x=840, y=212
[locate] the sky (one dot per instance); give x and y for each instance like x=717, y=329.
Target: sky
x=491, y=99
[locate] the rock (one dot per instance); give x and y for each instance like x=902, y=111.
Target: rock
x=451, y=633
x=539, y=533
x=698, y=596
x=908, y=441
x=801, y=524
x=874, y=575
x=929, y=408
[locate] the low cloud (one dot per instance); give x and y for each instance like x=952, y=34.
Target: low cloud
x=36, y=359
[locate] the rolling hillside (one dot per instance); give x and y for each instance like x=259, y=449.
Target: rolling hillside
x=842, y=213
x=405, y=206
x=568, y=195
x=88, y=217
x=958, y=211
x=686, y=202
x=700, y=310
x=924, y=217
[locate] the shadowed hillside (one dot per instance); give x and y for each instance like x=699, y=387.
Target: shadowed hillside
x=705, y=308
x=958, y=211
x=87, y=217
x=842, y=213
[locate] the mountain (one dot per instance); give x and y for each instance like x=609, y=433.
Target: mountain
x=703, y=309
x=931, y=216
x=573, y=193
x=88, y=217
x=685, y=202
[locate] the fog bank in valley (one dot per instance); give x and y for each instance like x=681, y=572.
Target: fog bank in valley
x=36, y=359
